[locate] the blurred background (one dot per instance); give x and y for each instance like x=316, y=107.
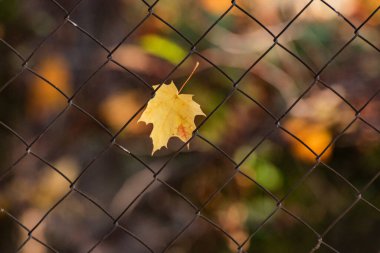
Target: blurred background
x=104, y=59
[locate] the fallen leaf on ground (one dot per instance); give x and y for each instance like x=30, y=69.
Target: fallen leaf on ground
x=172, y=114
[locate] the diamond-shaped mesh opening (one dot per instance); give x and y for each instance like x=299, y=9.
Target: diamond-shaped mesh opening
x=232, y=134
x=187, y=12
x=237, y=219
x=113, y=96
x=207, y=79
x=316, y=35
x=73, y=133
x=145, y=217
x=37, y=187
x=274, y=14
x=368, y=31
x=123, y=181
x=311, y=125
x=353, y=72
x=192, y=180
x=277, y=80
x=321, y=182
x=363, y=222
x=25, y=29
x=355, y=11
x=235, y=43
x=86, y=13
x=273, y=164
x=41, y=104
x=87, y=219
x=121, y=240
x=261, y=168
x=36, y=245
x=159, y=61
x=202, y=236
x=362, y=142
x=13, y=238
x=68, y=58
x=274, y=230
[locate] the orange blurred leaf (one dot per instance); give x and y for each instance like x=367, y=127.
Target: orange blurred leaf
x=118, y=108
x=315, y=135
x=216, y=7
x=43, y=99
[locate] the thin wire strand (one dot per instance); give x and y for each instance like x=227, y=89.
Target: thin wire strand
x=156, y=173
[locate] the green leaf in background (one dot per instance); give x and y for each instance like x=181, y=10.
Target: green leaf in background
x=259, y=167
x=163, y=48
x=267, y=174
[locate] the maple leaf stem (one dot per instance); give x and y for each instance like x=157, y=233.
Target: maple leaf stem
x=191, y=74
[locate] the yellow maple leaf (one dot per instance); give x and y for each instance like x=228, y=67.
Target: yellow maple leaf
x=172, y=114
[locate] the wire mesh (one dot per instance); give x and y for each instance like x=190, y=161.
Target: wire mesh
x=155, y=176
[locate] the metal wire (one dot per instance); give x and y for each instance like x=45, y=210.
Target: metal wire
x=156, y=175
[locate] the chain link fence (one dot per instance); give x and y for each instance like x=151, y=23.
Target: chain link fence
x=120, y=199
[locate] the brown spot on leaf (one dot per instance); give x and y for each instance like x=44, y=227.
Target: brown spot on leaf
x=182, y=132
